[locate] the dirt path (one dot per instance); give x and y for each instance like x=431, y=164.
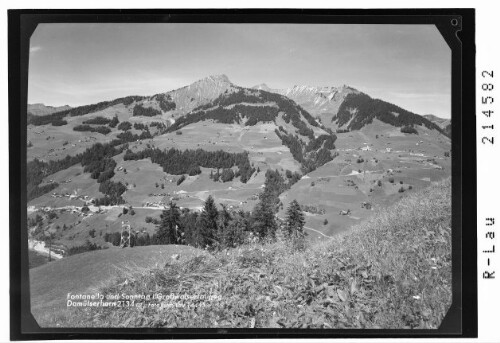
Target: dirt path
x=311, y=229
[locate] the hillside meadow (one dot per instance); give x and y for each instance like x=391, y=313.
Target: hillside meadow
x=392, y=271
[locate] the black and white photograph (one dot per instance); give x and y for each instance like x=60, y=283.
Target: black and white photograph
x=240, y=175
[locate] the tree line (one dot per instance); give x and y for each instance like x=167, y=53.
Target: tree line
x=87, y=128
x=254, y=96
x=254, y=115
x=177, y=162
x=310, y=156
x=57, y=117
x=98, y=121
x=220, y=228
x=91, y=159
x=369, y=109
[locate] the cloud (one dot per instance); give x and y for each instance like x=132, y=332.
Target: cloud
x=34, y=49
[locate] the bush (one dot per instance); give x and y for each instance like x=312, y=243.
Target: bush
x=181, y=180
x=88, y=246
x=113, y=122
x=178, y=133
x=165, y=102
x=391, y=180
x=125, y=126
x=152, y=220
x=100, y=129
x=379, y=183
x=401, y=190
x=52, y=215
x=409, y=129
x=140, y=126
x=139, y=110
x=325, y=222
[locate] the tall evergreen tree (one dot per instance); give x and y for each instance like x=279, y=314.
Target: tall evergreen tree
x=263, y=221
x=234, y=233
x=169, y=230
x=294, y=224
x=208, y=219
x=222, y=222
x=188, y=224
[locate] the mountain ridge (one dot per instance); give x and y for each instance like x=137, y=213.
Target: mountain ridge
x=42, y=109
x=333, y=107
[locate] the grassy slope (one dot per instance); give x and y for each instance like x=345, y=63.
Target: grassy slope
x=393, y=271
x=51, y=282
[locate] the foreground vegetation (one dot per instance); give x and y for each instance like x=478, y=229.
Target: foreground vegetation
x=393, y=271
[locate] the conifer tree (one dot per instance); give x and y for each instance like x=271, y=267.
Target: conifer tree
x=169, y=231
x=294, y=224
x=208, y=229
x=222, y=222
x=263, y=221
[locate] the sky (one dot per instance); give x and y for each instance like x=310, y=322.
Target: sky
x=80, y=64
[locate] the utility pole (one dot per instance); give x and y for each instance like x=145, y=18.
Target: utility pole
x=125, y=234
x=364, y=170
x=50, y=247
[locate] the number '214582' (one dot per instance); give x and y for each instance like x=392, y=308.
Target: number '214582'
x=486, y=101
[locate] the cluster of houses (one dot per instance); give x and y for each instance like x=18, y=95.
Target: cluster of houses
x=159, y=204
x=70, y=208
x=85, y=198
x=158, y=194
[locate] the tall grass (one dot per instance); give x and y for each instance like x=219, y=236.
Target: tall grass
x=393, y=271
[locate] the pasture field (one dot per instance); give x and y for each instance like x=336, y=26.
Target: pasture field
x=344, y=183
x=373, y=166
x=87, y=272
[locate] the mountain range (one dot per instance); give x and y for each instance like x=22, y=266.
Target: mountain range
x=335, y=108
